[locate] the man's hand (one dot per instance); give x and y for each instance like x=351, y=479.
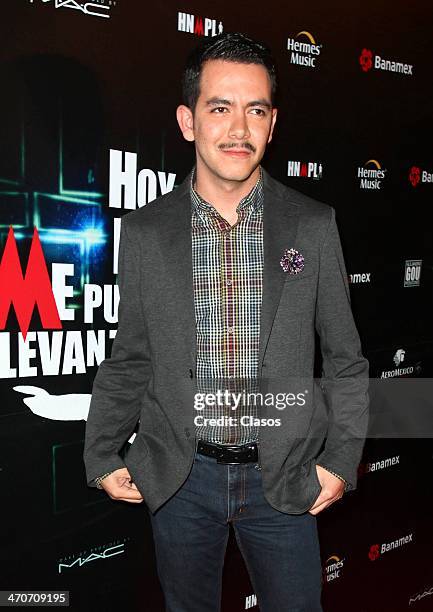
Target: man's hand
x=118, y=486
x=332, y=489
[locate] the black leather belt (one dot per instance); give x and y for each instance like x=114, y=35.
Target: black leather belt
x=228, y=453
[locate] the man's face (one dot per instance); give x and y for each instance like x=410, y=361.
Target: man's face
x=233, y=119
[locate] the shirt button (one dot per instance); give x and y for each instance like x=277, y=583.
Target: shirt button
x=230, y=330
x=229, y=282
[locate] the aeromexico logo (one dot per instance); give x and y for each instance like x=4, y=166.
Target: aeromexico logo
x=200, y=26
x=401, y=368
x=98, y=8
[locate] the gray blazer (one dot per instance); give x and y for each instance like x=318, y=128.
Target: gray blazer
x=150, y=376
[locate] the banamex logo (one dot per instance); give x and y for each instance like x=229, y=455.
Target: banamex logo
x=366, y=60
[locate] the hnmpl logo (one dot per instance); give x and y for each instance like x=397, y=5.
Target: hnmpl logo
x=302, y=169
x=200, y=26
x=250, y=601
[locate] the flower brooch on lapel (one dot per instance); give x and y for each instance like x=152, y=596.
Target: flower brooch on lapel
x=292, y=261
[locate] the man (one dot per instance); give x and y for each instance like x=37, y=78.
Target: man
x=223, y=283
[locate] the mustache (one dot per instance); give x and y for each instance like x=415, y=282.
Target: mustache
x=235, y=145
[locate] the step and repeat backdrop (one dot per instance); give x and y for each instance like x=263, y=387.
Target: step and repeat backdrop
x=88, y=133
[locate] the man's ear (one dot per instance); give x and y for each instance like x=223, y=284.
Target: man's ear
x=185, y=120
x=274, y=118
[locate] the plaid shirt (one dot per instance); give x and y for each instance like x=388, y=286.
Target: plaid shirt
x=227, y=277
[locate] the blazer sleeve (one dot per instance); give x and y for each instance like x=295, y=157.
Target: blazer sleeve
x=345, y=370
x=122, y=378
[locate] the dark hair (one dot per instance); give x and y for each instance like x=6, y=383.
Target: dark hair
x=231, y=47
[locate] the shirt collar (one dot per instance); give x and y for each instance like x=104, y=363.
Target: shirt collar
x=253, y=199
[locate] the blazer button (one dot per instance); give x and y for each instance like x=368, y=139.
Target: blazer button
x=191, y=373
x=187, y=432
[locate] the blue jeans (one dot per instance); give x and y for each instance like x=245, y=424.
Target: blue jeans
x=190, y=531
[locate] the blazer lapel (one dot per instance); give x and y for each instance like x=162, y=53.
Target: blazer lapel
x=177, y=247
x=280, y=227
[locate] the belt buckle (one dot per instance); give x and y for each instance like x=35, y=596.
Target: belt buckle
x=221, y=461
x=225, y=454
